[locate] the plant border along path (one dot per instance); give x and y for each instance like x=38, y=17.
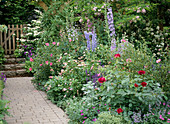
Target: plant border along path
x=30, y=106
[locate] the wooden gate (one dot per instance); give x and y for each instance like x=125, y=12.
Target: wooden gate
x=8, y=39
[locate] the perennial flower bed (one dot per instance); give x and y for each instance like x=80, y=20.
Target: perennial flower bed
x=93, y=74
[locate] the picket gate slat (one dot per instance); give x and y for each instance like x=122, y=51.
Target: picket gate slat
x=8, y=39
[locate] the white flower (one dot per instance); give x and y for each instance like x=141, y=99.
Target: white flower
x=64, y=89
x=39, y=22
x=22, y=40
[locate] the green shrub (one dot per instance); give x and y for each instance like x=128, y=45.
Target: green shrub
x=2, y=59
x=3, y=103
x=107, y=118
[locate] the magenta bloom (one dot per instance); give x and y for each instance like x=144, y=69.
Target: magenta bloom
x=30, y=69
x=54, y=43
x=47, y=44
x=46, y=62
x=81, y=111
x=93, y=107
x=51, y=64
x=31, y=59
x=85, y=117
x=82, y=114
x=41, y=64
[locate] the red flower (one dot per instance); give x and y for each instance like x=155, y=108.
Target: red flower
x=144, y=84
x=119, y=110
x=101, y=80
x=117, y=55
x=135, y=85
x=141, y=72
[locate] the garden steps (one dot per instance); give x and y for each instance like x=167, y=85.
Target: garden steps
x=14, y=67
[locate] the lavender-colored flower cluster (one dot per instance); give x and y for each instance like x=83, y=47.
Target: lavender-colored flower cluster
x=137, y=117
x=94, y=41
x=3, y=77
x=111, y=27
x=72, y=33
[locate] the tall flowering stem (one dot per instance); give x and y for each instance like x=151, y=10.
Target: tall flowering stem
x=111, y=27
x=88, y=39
x=94, y=42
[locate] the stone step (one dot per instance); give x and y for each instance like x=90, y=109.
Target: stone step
x=13, y=66
x=14, y=60
x=16, y=73
x=9, y=56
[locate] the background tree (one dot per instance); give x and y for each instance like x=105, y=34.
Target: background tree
x=17, y=11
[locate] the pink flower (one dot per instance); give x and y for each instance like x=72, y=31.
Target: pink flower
x=51, y=64
x=51, y=55
x=128, y=60
x=51, y=77
x=70, y=40
x=31, y=59
x=81, y=111
x=137, y=17
x=163, y=103
x=83, y=122
x=168, y=121
x=98, y=74
x=46, y=62
x=91, y=67
x=54, y=43
x=157, y=61
x=169, y=113
x=80, y=20
x=94, y=8
x=85, y=117
x=123, y=40
x=143, y=11
x=161, y=117
x=41, y=64
x=30, y=69
x=138, y=11
x=58, y=43
x=93, y=107
x=47, y=44
x=82, y=114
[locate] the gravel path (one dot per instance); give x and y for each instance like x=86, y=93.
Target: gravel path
x=30, y=106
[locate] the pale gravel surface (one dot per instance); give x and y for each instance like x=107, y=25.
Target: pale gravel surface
x=30, y=106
